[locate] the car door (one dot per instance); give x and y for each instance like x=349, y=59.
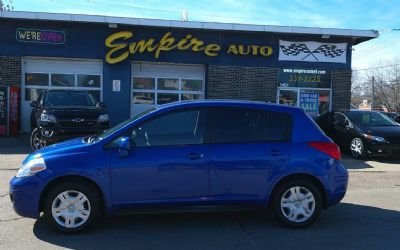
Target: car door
x=247, y=147
x=168, y=162
x=341, y=129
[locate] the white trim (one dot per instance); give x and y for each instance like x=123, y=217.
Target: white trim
x=366, y=34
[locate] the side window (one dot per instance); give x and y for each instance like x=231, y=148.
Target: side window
x=177, y=128
x=339, y=118
x=237, y=125
x=277, y=126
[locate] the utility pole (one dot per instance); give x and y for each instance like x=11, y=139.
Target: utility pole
x=373, y=93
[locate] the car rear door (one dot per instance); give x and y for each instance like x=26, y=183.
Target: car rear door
x=169, y=162
x=247, y=147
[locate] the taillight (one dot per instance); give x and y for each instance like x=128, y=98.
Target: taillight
x=328, y=148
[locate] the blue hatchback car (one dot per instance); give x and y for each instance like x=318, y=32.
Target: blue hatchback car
x=197, y=154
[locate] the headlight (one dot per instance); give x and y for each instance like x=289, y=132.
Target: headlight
x=47, y=118
x=103, y=118
x=31, y=167
x=375, y=138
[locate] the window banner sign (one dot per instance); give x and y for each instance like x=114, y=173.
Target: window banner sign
x=312, y=51
x=3, y=110
x=309, y=101
x=40, y=36
x=307, y=78
x=13, y=110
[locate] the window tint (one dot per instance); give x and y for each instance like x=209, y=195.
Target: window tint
x=339, y=118
x=237, y=125
x=177, y=128
x=277, y=126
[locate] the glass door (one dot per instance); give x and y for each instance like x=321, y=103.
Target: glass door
x=288, y=97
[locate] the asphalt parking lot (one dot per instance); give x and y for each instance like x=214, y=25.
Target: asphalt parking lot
x=367, y=218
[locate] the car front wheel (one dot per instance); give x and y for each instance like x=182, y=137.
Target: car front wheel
x=297, y=203
x=35, y=140
x=72, y=207
x=357, y=148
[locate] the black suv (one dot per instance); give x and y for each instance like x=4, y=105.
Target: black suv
x=65, y=114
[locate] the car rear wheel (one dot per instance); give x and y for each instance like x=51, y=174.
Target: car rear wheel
x=297, y=203
x=72, y=207
x=35, y=140
x=357, y=148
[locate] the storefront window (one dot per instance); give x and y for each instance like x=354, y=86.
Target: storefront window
x=143, y=98
x=288, y=97
x=192, y=85
x=190, y=97
x=89, y=81
x=315, y=102
x=168, y=84
x=143, y=83
x=163, y=98
x=32, y=94
x=37, y=79
x=63, y=80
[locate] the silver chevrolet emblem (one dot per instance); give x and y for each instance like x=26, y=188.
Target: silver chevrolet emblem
x=77, y=120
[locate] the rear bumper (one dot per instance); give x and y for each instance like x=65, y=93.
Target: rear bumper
x=338, y=184
x=383, y=149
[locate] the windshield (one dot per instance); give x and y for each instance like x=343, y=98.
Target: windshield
x=120, y=125
x=69, y=98
x=369, y=118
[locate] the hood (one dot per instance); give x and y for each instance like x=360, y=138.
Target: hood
x=91, y=112
x=58, y=149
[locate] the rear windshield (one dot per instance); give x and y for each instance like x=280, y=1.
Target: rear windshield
x=66, y=98
x=369, y=118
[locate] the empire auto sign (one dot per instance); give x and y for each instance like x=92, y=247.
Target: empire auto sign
x=122, y=44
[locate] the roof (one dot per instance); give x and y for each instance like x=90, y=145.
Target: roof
x=357, y=35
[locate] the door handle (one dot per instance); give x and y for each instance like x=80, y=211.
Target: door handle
x=275, y=152
x=194, y=156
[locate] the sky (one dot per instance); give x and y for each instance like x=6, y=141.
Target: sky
x=381, y=15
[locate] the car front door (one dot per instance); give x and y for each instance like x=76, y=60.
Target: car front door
x=341, y=129
x=247, y=147
x=169, y=161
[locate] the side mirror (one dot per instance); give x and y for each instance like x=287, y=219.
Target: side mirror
x=101, y=104
x=124, y=146
x=34, y=104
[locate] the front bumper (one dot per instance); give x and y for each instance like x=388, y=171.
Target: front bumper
x=383, y=148
x=57, y=134
x=25, y=195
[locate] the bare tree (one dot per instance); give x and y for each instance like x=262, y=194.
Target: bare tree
x=6, y=5
x=387, y=84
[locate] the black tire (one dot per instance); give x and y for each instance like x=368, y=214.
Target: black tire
x=94, y=204
x=35, y=141
x=357, y=148
x=281, y=212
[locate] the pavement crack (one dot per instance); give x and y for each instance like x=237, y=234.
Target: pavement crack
x=3, y=195
x=8, y=169
x=12, y=219
x=248, y=235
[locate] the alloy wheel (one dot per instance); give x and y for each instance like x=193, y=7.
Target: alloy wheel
x=36, y=142
x=356, y=147
x=71, y=209
x=297, y=204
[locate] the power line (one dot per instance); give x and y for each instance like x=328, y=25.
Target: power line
x=378, y=67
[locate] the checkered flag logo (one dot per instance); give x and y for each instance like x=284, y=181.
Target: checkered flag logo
x=329, y=50
x=294, y=49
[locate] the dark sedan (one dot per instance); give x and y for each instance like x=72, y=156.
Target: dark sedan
x=364, y=133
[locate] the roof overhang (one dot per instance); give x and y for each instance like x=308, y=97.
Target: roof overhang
x=358, y=36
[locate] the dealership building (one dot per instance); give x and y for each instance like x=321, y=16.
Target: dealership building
x=132, y=64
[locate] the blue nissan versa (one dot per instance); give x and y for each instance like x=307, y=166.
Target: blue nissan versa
x=204, y=154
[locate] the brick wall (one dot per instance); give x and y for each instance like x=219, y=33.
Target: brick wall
x=10, y=70
x=244, y=83
x=341, y=90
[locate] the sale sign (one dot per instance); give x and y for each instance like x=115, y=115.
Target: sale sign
x=3, y=110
